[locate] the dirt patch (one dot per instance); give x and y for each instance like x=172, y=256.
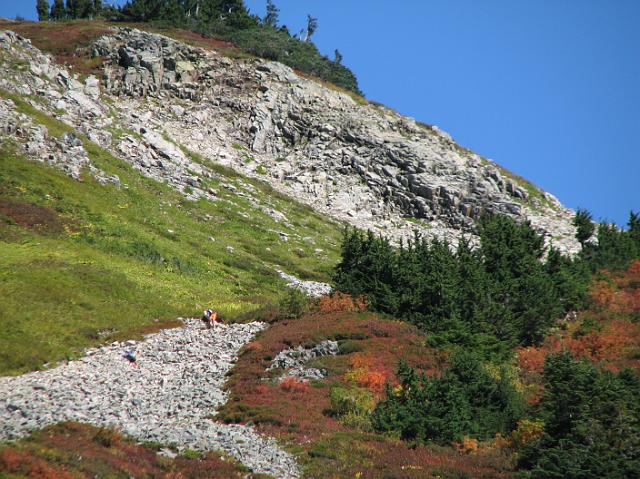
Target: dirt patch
x=39, y=219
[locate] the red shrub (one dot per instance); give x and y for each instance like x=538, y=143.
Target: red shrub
x=531, y=359
x=294, y=385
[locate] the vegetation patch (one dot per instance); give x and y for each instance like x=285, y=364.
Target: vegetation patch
x=327, y=423
x=98, y=262
x=73, y=450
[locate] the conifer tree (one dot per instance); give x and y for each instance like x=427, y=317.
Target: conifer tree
x=42, y=7
x=97, y=8
x=634, y=232
x=72, y=8
x=271, y=18
x=584, y=226
x=58, y=10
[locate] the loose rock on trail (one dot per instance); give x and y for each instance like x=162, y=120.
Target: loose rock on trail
x=167, y=398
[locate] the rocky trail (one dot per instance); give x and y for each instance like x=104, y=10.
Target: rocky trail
x=169, y=398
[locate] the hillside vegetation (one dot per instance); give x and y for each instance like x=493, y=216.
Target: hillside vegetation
x=499, y=357
x=85, y=263
x=73, y=450
x=227, y=20
x=453, y=397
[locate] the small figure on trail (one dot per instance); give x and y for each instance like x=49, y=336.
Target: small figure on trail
x=209, y=318
x=131, y=357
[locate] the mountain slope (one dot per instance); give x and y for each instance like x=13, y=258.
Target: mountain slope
x=93, y=251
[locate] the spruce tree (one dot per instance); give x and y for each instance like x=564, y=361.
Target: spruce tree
x=271, y=18
x=634, y=232
x=584, y=226
x=72, y=8
x=58, y=10
x=42, y=7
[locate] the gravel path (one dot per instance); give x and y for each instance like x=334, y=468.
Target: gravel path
x=177, y=384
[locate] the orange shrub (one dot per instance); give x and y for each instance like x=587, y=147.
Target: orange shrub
x=531, y=359
x=294, y=385
x=363, y=374
x=11, y=459
x=338, y=302
x=467, y=446
x=601, y=294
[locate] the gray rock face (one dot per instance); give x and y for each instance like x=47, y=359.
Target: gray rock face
x=361, y=163
x=314, y=289
x=294, y=361
x=354, y=161
x=66, y=152
x=167, y=398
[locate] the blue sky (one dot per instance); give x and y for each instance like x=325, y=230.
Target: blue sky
x=550, y=89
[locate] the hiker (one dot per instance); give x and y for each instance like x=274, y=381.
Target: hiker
x=210, y=317
x=131, y=357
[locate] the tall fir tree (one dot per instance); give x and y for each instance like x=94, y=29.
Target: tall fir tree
x=634, y=232
x=584, y=225
x=42, y=7
x=271, y=18
x=58, y=10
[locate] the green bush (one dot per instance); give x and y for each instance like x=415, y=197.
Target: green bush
x=592, y=423
x=353, y=406
x=294, y=304
x=467, y=400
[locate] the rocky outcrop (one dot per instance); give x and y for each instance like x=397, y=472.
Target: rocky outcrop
x=313, y=289
x=358, y=162
x=167, y=398
x=294, y=360
x=349, y=159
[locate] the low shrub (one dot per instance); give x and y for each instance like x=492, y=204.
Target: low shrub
x=341, y=302
x=293, y=305
x=353, y=406
x=294, y=385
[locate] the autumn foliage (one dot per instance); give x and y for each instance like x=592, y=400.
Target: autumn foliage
x=341, y=302
x=54, y=453
x=608, y=333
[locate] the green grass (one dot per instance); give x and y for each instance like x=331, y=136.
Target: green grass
x=117, y=262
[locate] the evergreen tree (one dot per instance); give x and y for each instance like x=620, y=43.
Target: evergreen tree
x=142, y=10
x=584, y=225
x=465, y=400
x=172, y=13
x=337, y=56
x=634, y=232
x=42, y=7
x=58, y=10
x=271, y=18
x=72, y=8
x=592, y=423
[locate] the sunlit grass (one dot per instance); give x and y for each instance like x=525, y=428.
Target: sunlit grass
x=134, y=257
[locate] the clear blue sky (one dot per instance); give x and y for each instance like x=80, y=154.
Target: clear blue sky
x=550, y=89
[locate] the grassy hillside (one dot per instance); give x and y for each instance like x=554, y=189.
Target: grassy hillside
x=84, y=263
